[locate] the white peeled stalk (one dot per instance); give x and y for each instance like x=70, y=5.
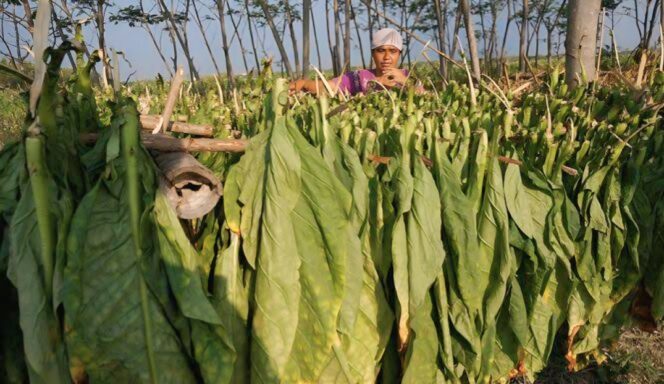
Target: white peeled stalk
x=39, y=44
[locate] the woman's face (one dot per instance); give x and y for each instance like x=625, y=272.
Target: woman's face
x=385, y=57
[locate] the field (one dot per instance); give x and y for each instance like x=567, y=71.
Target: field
x=476, y=232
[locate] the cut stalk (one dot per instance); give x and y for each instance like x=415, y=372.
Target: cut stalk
x=34, y=152
x=130, y=149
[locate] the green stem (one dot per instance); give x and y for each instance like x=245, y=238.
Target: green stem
x=130, y=149
x=34, y=151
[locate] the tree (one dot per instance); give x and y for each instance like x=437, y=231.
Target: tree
x=581, y=41
x=464, y=8
x=552, y=22
x=180, y=34
x=275, y=34
x=306, y=23
x=442, y=31
x=221, y=4
x=136, y=16
x=523, y=51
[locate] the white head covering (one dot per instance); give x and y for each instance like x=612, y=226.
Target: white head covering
x=387, y=36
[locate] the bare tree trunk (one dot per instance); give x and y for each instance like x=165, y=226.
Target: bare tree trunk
x=483, y=34
x=470, y=34
x=442, y=25
x=661, y=19
x=637, y=20
x=552, y=27
x=251, y=35
x=337, y=34
x=193, y=73
x=306, y=22
x=347, y=34
x=28, y=14
x=171, y=36
x=221, y=6
x=537, y=29
x=99, y=18
x=457, y=26
x=12, y=60
x=508, y=24
x=58, y=28
x=359, y=37
x=18, y=39
x=291, y=30
x=146, y=27
x=236, y=32
x=370, y=24
x=275, y=35
x=488, y=56
x=651, y=28
x=523, y=51
x=199, y=23
x=320, y=63
x=404, y=25
x=335, y=69
x=581, y=42
x=549, y=45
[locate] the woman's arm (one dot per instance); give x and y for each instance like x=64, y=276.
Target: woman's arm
x=317, y=87
x=310, y=86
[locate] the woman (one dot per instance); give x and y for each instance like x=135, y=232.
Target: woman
x=386, y=48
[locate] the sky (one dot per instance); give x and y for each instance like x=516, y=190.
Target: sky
x=143, y=62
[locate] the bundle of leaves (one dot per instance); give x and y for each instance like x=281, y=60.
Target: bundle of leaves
x=396, y=238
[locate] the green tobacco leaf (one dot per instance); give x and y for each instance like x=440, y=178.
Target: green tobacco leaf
x=418, y=256
x=213, y=347
x=105, y=337
x=277, y=289
x=231, y=300
x=460, y=227
x=422, y=355
x=301, y=258
x=117, y=328
x=12, y=175
x=43, y=346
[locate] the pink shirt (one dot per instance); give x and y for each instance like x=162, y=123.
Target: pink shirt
x=355, y=82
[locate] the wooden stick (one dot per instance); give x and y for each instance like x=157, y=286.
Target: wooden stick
x=167, y=143
x=176, y=82
x=568, y=170
x=150, y=122
x=642, y=69
x=503, y=159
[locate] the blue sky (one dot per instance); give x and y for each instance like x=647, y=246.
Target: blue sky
x=145, y=62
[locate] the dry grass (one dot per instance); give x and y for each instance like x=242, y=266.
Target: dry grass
x=636, y=358
x=12, y=113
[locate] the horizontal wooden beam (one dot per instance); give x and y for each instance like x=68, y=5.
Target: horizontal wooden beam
x=166, y=143
x=149, y=122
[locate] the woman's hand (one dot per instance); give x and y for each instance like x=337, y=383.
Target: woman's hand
x=296, y=86
x=392, y=77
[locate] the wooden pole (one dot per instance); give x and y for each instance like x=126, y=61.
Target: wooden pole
x=166, y=143
x=176, y=82
x=150, y=122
